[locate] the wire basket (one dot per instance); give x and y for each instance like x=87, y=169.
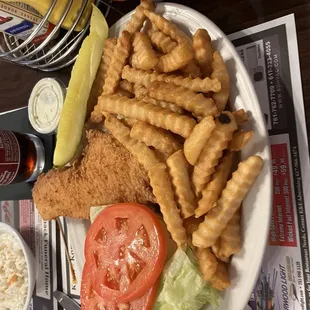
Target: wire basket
x=51, y=54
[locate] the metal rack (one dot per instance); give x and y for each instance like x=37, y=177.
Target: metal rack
x=51, y=54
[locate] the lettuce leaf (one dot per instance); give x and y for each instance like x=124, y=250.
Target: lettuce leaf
x=182, y=286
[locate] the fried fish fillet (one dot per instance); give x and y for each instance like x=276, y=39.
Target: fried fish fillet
x=106, y=174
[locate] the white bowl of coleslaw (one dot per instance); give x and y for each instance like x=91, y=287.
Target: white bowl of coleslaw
x=17, y=271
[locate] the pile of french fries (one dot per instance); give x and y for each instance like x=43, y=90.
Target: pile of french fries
x=163, y=96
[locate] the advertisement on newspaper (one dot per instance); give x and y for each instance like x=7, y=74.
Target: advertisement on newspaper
x=273, y=66
x=41, y=238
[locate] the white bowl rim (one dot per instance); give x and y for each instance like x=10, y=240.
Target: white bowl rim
x=6, y=228
x=247, y=81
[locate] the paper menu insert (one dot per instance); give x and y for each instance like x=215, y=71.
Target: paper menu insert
x=20, y=20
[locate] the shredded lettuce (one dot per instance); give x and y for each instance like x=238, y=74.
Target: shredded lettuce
x=95, y=210
x=182, y=286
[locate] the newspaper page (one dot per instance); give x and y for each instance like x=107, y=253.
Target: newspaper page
x=270, y=54
x=40, y=236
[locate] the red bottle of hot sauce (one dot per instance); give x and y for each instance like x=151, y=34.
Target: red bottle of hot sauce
x=22, y=157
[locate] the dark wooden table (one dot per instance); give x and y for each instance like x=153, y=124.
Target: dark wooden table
x=230, y=15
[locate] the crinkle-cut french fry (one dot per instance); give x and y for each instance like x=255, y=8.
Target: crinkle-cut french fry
x=178, y=169
x=240, y=116
x=161, y=41
x=97, y=87
x=192, y=69
x=216, y=251
x=231, y=236
x=164, y=104
x=207, y=263
x=162, y=189
x=167, y=27
x=124, y=84
x=159, y=138
x=179, y=57
x=107, y=56
x=145, y=112
x=145, y=78
x=225, y=125
x=195, y=84
x=196, y=141
x=141, y=94
x=203, y=51
x=220, y=280
x=220, y=73
x=140, y=77
x=120, y=55
x=236, y=189
x=144, y=55
x=214, y=188
x=240, y=139
x=138, y=18
x=198, y=104
x=145, y=156
x=133, y=61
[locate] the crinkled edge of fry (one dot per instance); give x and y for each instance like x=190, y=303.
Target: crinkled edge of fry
x=231, y=236
x=162, y=189
x=203, y=51
x=118, y=61
x=213, y=150
x=179, y=57
x=183, y=97
x=161, y=41
x=138, y=17
x=220, y=72
x=144, y=56
x=145, y=78
x=196, y=141
x=146, y=112
x=214, y=188
x=240, y=139
x=216, y=249
x=167, y=27
x=220, y=280
x=185, y=197
x=240, y=116
x=207, y=263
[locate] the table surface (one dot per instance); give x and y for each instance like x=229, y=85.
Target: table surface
x=229, y=15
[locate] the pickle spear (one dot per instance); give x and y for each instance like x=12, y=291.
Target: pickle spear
x=84, y=71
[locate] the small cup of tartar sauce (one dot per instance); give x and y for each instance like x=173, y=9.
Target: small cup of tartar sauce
x=45, y=105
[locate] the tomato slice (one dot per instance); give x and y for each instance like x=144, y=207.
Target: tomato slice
x=126, y=249
x=90, y=300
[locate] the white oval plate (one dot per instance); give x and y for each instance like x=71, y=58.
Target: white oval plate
x=257, y=207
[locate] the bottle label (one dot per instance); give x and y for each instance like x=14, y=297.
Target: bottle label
x=9, y=157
